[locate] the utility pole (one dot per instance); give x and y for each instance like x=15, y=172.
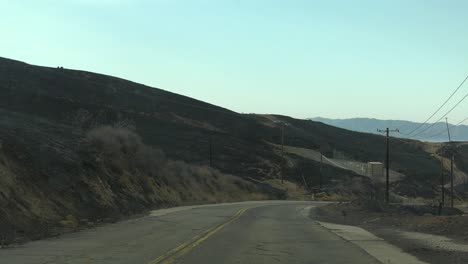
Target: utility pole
x=442, y=186
x=283, y=161
x=451, y=162
x=282, y=152
x=442, y=183
x=387, y=162
x=306, y=186
x=321, y=171
x=211, y=151
x=451, y=180
x=448, y=130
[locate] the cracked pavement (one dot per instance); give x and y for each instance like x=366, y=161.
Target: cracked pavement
x=268, y=232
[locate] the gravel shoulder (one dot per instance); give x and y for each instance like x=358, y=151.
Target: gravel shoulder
x=433, y=239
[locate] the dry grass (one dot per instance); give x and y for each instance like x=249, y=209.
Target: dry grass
x=113, y=174
x=293, y=190
x=120, y=151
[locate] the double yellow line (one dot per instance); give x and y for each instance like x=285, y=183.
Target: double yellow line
x=184, y=248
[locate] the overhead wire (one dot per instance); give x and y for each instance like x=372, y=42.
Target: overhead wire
x=444, y=131
x=448, y=112
x=446, y=101
x=401, y=140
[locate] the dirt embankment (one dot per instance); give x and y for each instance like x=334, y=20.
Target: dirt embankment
x=48, y=186
x=415, y=229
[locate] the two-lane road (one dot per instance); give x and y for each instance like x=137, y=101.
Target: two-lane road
x=253, y=232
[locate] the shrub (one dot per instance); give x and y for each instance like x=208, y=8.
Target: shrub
x=121, y=150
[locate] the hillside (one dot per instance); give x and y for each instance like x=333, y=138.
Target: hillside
x=370, y=125
x=78, y=148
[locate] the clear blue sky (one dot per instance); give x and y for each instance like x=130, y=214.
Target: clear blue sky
x=396, y=59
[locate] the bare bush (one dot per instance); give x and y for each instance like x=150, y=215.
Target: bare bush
x=115, y=146
x=121, y=150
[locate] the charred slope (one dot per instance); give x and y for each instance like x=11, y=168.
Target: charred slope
x=182, y=126
x=47, y=113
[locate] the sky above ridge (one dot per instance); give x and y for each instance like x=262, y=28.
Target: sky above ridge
x=394, y=59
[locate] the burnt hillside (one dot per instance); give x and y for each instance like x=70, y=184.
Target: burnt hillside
x=180, y=125
x=50, y=173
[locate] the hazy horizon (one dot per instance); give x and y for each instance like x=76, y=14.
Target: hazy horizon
x=395, y=60
x=379, y=119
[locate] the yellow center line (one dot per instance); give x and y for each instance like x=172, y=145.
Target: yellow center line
x=185, y=247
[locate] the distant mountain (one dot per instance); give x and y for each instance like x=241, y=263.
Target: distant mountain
x=437, y=133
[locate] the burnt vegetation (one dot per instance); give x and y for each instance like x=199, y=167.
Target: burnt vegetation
x=77, y=148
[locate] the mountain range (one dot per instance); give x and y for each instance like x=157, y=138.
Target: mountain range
x=428, y=132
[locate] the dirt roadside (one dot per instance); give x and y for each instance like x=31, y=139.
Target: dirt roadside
x=433, y=239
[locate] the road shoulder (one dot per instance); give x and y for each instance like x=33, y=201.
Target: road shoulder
x=373, y=245
x=415, y=235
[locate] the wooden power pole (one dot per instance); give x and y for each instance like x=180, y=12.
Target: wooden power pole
x=283, y=161
x=451, y=179
x=282, y=152
x=442, y=183
x=321, y=170
x=211, y=151
x=451, y=153
x=387, y=162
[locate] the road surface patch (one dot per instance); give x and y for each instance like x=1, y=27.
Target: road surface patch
x=184, y=248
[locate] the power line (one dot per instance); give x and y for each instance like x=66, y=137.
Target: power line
x=397, y=139
x=443, y=131
x=438, y=134
x=400, y=140
x=446, y=101
x=433, y=124
x=462, y=121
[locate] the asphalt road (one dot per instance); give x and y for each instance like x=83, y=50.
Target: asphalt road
x=268, y=232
